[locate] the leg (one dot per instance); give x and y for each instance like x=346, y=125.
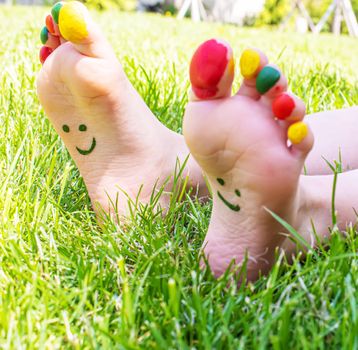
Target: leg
x=120, y=148
x=335, y=133
x=315, y=206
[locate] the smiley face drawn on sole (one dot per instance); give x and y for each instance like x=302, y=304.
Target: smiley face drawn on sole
x=225, y=201
x=81, y=128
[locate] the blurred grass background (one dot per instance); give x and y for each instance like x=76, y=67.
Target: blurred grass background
x=65, y=282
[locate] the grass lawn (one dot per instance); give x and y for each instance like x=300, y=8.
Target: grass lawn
x=67, y=283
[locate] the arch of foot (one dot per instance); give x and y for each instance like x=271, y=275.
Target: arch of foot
x=67, y=22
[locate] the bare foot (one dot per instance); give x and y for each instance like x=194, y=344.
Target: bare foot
x=241, y=143
x=118, y=145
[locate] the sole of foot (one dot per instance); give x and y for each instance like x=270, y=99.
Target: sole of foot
x=122, y=151
x=252, y=148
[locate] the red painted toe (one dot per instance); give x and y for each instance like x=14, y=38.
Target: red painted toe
x=44, y=53
x=283, y=106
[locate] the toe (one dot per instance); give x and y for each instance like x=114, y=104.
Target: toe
x=301, y=138
x=211, y=71
x=72, y=19
x=271, y=83
x=51, y=26
x=260, y=78
x=288, y=107
x=75, y=25
x=48, y=39
x=252, y=62
x=44, y=53
x=290, y=110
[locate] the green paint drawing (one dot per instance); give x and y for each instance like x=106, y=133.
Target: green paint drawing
x=82, y=127
x=228, y=204
x=85, y=152
x=220, y=181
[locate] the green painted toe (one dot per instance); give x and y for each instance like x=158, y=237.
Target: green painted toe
x=266, y=79
x=44, y=35
x=55, y=12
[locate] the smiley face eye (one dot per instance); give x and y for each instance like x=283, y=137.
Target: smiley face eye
x=220, y=181
x=82, y=127
x=66, y=128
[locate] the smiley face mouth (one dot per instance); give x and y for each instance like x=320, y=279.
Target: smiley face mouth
x=227, y=203
x=84, y=152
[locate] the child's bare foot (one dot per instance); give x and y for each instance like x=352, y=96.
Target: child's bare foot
x=111, y=134
x=243, y=150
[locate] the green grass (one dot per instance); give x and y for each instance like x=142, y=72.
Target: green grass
x=67, y=283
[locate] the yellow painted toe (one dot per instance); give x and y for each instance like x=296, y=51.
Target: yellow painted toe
x=249, y=63
x=72, y=22
x=297, y=132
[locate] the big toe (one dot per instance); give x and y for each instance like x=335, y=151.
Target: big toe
x=211, y=71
